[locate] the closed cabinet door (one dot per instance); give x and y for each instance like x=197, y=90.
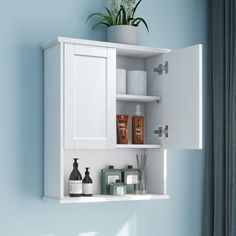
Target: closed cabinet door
x=89, y=97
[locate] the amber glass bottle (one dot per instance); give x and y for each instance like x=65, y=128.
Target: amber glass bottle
x=137, y=127
x=75, y=181
x=87, y=184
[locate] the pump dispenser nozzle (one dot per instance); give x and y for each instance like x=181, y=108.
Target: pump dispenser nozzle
x=75, y=164
x=87, y=170
x=137, y=112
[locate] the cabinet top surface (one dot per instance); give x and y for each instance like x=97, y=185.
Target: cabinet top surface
x=122, y=49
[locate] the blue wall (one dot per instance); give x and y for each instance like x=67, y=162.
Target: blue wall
x=24, y=25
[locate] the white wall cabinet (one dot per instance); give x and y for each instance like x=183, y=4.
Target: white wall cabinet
x=81, y=103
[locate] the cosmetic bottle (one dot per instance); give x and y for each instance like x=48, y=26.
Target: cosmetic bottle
x=87, y=184
x=75, y=181
x=137, y=127
x=122, y=128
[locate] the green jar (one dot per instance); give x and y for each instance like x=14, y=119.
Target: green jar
x=109, y=176
x=118, y=188
x=130, y=178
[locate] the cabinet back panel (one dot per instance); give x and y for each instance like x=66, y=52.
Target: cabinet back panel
x=130, y=63
x=156, y=174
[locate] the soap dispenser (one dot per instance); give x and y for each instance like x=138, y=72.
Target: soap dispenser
x=87, y=184
x=75, y=181
x=137, y=127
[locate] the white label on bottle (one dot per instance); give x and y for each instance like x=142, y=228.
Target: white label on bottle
x=88, y=188
x=132, y=179
x=112, y=179
x=76, y=186
x=120, y=190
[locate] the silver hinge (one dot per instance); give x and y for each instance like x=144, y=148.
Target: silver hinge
x=162, y=68
x=162, y=131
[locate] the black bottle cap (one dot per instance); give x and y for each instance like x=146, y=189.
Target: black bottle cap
x=129, y=167
x=87, y=170
x=117, y=181
x=110, y=167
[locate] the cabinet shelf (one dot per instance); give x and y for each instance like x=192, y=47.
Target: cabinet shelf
x=107, y=198
x=133, y=146
x=137, y=98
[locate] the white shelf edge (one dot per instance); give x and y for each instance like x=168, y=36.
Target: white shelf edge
x=137, y=98
x=107, y=198
x=122, y=49
x=131, y=146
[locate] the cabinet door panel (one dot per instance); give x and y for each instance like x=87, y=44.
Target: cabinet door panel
x=89, y=97
x=182, y=99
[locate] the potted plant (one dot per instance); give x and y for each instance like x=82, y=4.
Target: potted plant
x=120, y=21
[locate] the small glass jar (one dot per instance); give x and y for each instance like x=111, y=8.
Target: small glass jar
x=118, y=188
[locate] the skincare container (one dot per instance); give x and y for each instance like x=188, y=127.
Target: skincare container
x=130, y=177
x=118, y=188
x=122, y=128
x=137, y=127
x=87, y=184
x=109, y=176
x=75, y=181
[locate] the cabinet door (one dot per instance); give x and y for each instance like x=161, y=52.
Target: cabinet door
x=182, y=99
x=90, y=105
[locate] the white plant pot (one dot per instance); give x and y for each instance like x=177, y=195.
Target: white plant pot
x=126, y=34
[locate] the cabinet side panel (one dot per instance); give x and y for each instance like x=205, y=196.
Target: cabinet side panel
x=156, y=171
x=52, y=122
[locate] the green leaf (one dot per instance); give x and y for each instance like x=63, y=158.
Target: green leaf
x=94, y=14
x=124, y=20
x=111, y=16
x=138, y=20
x=136, y=24
x=118, y=17
x=129, y=21
x=101, y=22
x=135, y=8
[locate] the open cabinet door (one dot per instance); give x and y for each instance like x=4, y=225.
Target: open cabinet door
x=182, y=99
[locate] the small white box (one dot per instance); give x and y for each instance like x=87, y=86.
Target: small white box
x=120, y=81
x=137, y=82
